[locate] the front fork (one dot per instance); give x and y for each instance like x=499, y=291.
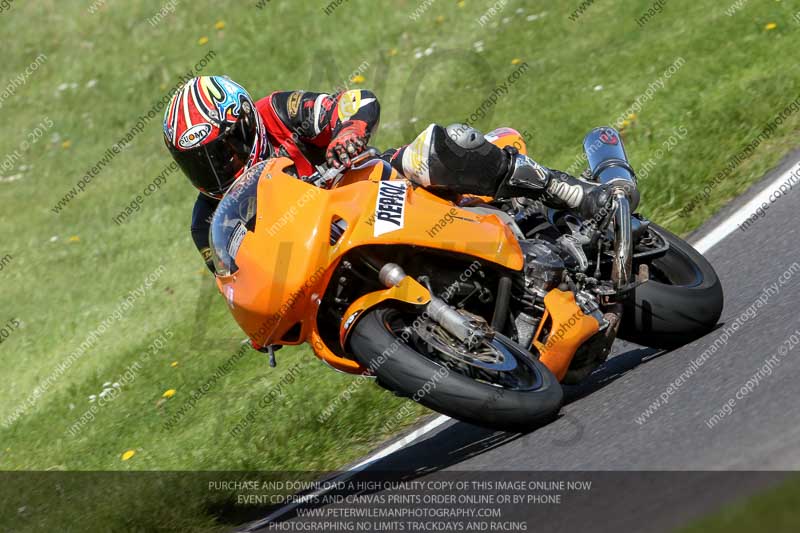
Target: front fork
x=402, y=288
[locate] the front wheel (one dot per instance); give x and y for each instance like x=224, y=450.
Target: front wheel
x=496, y=384
x=681, y=302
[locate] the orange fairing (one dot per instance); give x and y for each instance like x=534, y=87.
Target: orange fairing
x=408, y=290
x=569, y=329
x=284, y=265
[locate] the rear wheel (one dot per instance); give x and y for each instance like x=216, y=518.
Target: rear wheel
x=681, y=302
x=496, y=384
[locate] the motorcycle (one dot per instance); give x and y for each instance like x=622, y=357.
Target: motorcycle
x=478, y=308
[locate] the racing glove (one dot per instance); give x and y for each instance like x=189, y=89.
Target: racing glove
x=349, y=142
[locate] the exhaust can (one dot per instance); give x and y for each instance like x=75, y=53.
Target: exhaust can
x=608, y=161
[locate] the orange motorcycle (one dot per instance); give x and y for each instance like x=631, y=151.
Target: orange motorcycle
x=475, y=307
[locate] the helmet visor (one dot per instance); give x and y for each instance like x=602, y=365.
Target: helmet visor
x=213, y=167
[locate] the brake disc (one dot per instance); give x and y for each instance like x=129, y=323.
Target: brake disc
x=489, y=355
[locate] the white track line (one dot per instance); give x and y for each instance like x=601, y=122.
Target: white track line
x=714, y=237
x=730, y=224
x=353, y=470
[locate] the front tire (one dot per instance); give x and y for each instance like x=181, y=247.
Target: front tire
x=681, y=302
x=401, y=368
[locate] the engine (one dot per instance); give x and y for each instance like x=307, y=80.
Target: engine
x=544, y=271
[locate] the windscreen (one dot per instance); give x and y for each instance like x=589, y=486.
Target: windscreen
x=234, y=217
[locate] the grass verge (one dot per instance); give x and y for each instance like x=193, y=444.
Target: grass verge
x=100, y=68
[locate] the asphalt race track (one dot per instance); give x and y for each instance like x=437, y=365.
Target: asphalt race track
x=603, y=427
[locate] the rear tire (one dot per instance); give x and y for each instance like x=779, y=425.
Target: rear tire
x=408, y=372
x=682, y=304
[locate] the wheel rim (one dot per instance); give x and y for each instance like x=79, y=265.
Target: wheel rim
x=512, y=369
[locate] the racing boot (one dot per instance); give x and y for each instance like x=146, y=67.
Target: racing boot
x=459, y=159
x=525, y=177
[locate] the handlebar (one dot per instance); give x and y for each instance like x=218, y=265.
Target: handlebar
x=331, y=177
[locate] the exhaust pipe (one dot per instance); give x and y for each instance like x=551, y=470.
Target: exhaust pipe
x=609, y=164
x=621, y=269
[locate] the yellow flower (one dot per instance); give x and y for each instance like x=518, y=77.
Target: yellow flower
x=358, y=78
x=460, y=3
x=439, y=19
x=625, y=123
x=66, y=144
x=127, y=455
x=392, y=51
x=173, y=364
x=770, y=26
x=516, y=61
x=168, y=393
x=220, y=25
x=74, y=238
x=632, y=116
x=202, y=41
